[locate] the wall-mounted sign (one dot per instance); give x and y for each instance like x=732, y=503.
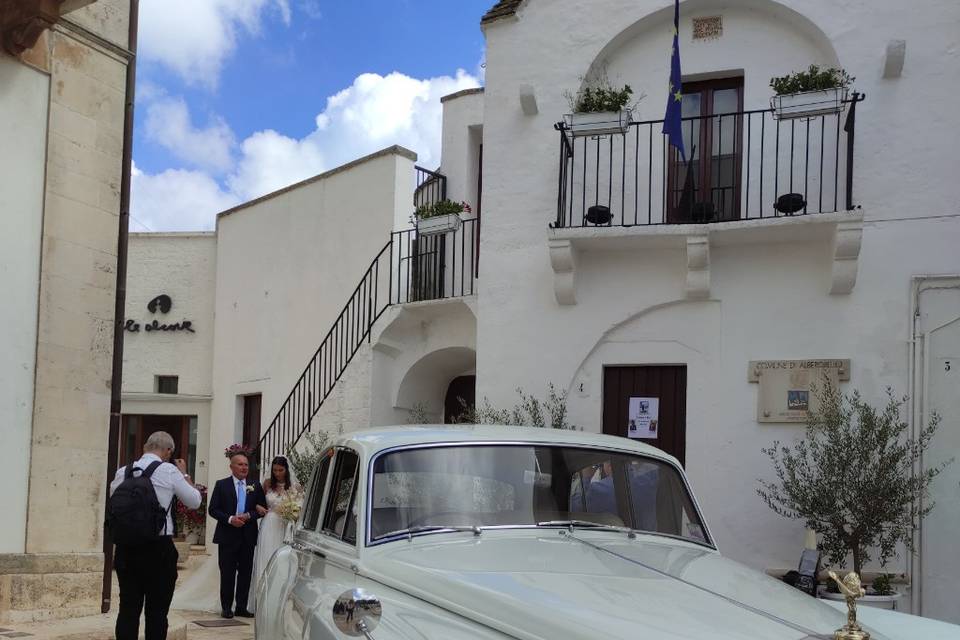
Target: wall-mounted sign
x=786, y=386
x=162, y=303
x=643, y=415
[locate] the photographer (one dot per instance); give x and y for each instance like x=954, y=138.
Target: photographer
x=139, y=520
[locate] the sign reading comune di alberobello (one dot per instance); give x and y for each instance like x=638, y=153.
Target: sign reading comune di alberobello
x=788, y=387
x=161, y=304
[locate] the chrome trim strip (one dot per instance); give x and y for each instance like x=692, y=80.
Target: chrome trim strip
x=368, y=507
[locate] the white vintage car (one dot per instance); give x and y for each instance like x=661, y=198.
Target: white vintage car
x=435, y=533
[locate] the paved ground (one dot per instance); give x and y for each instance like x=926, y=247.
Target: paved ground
x=101, y=628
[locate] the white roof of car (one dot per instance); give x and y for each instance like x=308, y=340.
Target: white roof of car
x=373, y=440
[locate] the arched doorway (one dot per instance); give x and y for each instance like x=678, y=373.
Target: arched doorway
x=461, y=398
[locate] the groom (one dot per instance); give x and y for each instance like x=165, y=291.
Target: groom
x=234, y=506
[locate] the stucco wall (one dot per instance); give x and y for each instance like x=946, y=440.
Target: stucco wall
x=286, y=266
x=182, y=266
x=23, y=126
x=766, y=301
x=460, y=144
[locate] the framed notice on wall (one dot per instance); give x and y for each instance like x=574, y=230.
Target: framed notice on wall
x=643, y=416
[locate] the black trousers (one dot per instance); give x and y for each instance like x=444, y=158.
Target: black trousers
x=236, y=568
x=147, y=575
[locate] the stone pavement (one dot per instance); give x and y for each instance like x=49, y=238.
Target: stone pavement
x=101, y=628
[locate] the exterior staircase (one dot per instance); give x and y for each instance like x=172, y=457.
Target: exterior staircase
x=409, y=268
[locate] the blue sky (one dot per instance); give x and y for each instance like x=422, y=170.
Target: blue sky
x=236, y=100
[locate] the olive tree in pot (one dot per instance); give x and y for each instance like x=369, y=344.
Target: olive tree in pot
x=854, y=480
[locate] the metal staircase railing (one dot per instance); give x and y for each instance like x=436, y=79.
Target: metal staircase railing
x=407, y=269
x=351, y=328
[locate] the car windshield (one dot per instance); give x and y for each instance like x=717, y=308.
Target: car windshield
x=428, y=489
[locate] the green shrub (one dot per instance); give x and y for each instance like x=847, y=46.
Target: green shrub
x=813, y=79
x=598, y=95
x=881, y=585
x=441, y=208
x=305, y=457
x=600, y=99
x=530, y=411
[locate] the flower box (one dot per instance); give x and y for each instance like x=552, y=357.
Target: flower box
x=808, y=103
x=600, y=123
x=438, y=225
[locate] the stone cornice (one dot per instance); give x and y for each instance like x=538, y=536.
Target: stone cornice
x=23, y=21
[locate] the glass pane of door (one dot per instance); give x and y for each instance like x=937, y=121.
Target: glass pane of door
x=723, y=153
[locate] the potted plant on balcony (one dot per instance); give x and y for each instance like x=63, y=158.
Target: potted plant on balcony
x=599, y=108
x=439, y=217
x=852, y=480
x=813, y=92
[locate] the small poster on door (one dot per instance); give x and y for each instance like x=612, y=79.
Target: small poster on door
x=643, y=416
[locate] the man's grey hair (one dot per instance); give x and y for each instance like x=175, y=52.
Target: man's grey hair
x=158, y=441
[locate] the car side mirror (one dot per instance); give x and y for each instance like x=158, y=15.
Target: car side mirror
x=356, y=613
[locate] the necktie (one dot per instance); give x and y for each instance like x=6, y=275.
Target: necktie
x=241, y=497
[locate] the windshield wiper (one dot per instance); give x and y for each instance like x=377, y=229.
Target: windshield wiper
x=580, y=523
x=475, y=530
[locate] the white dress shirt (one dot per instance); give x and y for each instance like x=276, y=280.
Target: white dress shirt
x=167, y=482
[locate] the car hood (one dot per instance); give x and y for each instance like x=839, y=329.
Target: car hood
x=586, y=585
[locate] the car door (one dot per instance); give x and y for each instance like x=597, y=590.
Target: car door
x=326, y=549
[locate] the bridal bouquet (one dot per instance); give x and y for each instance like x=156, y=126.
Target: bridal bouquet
x=291, y=504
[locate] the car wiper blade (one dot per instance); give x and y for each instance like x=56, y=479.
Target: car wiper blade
x=579, y=523
x=410, y=531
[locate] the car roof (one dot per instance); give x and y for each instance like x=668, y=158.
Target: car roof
x=372, y=441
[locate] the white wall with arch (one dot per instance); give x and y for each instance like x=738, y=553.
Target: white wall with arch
x=767, y=300
x=420, y=350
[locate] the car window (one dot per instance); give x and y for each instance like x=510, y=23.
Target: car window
x=317, y=486
x=339, y=519
x=424, y=489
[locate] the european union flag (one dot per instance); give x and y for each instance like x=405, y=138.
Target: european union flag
x=672, y=127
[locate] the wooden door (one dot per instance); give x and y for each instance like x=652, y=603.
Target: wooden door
x=713, y=139
x=662, y=391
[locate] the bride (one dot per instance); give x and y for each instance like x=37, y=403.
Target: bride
x=273, y=528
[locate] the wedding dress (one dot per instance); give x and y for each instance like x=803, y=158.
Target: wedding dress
x=273, y=531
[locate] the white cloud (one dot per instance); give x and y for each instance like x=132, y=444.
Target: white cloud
x=177, y=200
x=194, y=38
x=270, y=161
x=168, y=125
x=376, y=111
x=311, y=8
x=372, y=113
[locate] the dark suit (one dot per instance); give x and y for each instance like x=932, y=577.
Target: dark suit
x=235, y=545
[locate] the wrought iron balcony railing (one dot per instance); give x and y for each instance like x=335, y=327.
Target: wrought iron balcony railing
x=757, y=167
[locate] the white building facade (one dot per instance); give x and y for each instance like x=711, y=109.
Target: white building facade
x=327, y=317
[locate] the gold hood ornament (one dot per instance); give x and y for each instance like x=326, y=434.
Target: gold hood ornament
x=851, y=588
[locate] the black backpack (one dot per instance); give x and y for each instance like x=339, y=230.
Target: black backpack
x=134, y=515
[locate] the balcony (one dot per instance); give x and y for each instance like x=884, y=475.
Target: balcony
x=764, y=179
x=434, y=267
